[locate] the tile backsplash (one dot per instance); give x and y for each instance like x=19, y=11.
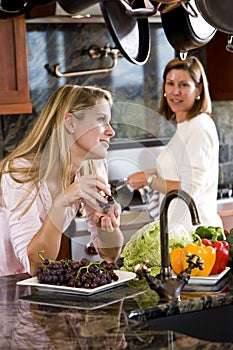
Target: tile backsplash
x=136, y=88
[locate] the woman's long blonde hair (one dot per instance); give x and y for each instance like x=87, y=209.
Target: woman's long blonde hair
x=47, y=142
x=192, y=65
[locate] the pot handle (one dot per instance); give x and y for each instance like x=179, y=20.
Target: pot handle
x=182, y=55
x=139, y=12
x=229, y=46
x=189, y=8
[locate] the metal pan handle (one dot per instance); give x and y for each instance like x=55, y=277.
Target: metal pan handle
x=189, y=8
x=229, y=46
x=139, y=12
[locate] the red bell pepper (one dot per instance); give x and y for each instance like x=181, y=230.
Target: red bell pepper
x=226, y=231
x=222, y=254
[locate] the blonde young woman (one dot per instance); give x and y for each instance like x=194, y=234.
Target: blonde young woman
x=190, y=160
x=57, y=167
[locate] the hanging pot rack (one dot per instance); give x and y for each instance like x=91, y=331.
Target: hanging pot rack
x=95, y=52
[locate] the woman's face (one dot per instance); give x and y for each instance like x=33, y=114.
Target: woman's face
x=181, y=92
x=93, y=132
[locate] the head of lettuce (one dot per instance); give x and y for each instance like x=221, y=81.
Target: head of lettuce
x=145, y=245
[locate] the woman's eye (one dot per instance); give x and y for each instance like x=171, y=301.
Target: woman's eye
x=102, y=120
x=185, y=85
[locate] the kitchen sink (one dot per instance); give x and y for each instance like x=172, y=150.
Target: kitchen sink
x=213, y=324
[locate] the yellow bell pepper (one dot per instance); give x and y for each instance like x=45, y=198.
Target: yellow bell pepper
x=207, y=253
x=178, y=259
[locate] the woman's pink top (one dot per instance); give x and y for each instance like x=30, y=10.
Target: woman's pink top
x=17, y=231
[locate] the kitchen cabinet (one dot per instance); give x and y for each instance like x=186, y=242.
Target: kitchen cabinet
x=14, y=85
x=219, y=63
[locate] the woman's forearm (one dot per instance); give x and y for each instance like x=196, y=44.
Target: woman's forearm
x=164, y=186
x=109, y=244
x=47, y=239
x=110, y=254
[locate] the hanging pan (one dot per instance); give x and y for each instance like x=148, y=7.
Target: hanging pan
x=73, y=7
x=185, y=28
x=129, y=28
x=217, y=13
x=14, y=8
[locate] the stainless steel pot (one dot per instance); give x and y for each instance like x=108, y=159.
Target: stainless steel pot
x=122, y=191
x=14, y=8
x=217, y=13
x=126, y=22
x=185, y=28
x=75, y=6
x=11, y=8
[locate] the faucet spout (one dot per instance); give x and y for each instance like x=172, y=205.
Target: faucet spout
x=164, y=234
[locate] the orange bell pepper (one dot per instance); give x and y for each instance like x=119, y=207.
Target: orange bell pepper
x=178, y=259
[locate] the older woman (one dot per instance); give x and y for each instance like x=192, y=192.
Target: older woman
x=190, y=160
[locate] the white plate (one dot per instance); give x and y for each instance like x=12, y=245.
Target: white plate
x=124, y=276
x=210, y=280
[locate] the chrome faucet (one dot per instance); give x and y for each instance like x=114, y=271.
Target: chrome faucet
x=164, y=284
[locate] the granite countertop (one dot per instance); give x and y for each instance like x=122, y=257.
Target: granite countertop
x=125, y=317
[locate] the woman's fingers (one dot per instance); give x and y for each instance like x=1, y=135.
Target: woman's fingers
x=137, y=180
x=108, y=222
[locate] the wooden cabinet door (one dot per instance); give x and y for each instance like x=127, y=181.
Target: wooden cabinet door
x=14, y=86
x=219, y=68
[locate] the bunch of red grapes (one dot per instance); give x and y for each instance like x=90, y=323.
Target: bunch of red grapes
x=79, y=274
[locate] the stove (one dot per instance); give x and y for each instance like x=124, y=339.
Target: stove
x=224, y=191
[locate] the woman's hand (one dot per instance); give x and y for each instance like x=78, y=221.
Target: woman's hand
x=137, y=180
x=85, y=189
x=108, y=221
x=109, y=239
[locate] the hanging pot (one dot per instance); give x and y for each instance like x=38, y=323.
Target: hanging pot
x=75, y=6
x=217, y=13
x=185, y=28
x=129, y=28
x=14, y=8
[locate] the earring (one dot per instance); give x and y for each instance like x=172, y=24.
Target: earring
x=165, y=95
x=198, y=98
x=72, y=131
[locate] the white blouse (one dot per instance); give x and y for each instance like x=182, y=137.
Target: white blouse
x=191, y=157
